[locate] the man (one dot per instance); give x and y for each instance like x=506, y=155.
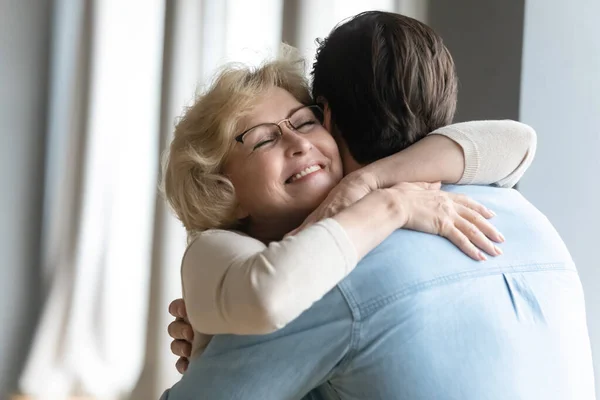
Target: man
x=416, y=319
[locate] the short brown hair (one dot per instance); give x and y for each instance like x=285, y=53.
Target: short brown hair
x=201, y=196
x=389, y=81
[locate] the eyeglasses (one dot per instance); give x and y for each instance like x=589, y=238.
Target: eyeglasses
x=262, y=136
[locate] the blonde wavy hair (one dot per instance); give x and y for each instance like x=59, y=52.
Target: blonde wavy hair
x=199, y=193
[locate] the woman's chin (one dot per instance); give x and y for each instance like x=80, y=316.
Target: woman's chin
x=315, y=185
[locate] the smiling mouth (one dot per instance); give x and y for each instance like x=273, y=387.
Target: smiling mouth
x=307, y=171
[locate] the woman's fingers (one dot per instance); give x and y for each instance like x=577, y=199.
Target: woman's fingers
x=471, y=232
x=476, y=237
x=181, y=330
x=182, y=333
x=461, y=241
x=182, y=365
x=480, y=223
x=181, y=348
x=177, y=309
x=472, y=204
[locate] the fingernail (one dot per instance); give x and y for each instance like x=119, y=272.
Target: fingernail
x=482, y=256
x=501, y=236
x=491, y=212
x=187, y=334
x=498, y=250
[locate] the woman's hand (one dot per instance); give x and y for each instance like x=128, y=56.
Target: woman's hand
x=182, y=333
x=351, y=189
x=456, y=217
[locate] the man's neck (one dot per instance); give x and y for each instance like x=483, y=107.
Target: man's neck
x=350, y=164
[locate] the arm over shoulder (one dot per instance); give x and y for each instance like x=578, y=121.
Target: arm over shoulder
x=496, y=152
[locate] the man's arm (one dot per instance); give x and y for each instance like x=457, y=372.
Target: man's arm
x=286, y=364
x=183, y=336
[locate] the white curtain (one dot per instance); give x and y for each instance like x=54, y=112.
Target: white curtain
x=100, y=197
x=121, y=72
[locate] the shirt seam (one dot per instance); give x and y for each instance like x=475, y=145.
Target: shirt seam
x=355, y=335
x=370, y=306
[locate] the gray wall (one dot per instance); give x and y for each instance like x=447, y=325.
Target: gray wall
x=561, y=99
x=485, y=39
x=24, y=38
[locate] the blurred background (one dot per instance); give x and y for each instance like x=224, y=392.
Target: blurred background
x=89, y=91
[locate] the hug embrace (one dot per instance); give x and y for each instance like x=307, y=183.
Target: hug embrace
x=344, y=238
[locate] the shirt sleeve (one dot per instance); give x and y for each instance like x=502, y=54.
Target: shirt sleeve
x=496, y=152
x=235, y=284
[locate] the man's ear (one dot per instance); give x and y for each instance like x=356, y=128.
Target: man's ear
x=326, y=113
x=327, y=118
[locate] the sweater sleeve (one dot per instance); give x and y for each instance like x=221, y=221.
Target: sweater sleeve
x=233, y=283
x=496, y=152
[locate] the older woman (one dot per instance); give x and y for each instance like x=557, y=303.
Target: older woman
x=250, y=160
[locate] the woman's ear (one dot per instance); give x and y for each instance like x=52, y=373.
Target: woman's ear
x=240, y=213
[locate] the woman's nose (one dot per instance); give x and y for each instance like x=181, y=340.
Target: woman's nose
x=297, y=143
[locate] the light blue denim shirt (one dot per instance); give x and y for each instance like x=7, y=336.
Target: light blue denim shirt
x=417, y=319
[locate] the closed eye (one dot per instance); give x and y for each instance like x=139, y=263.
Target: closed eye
x=305, y=125
x=263, y=143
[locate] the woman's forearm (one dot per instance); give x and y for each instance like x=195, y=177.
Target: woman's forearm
x=434, y=158
x=415, y=206
x=372, y=219
x=477, y=152
x=495, y=152
x=235, y=284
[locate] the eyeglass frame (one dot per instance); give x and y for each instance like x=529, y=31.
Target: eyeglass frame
x=240, y=138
